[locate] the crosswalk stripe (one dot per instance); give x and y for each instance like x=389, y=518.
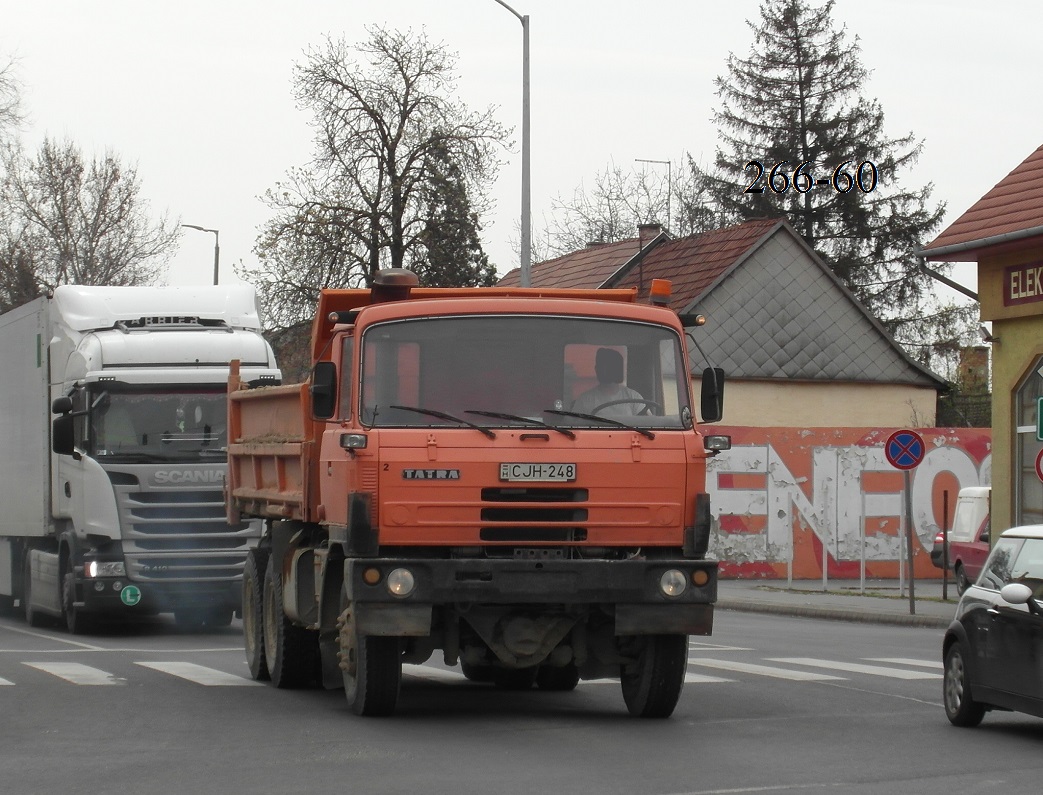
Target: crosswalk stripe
x=77, y=673
x=200, y=674
x=873, y=670
x=934, y=664
x=761, y=670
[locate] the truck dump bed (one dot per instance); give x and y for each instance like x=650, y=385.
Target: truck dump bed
x=270, y=436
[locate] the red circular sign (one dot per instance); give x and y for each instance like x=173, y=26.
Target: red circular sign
x=1039, y=465
x=904, y=449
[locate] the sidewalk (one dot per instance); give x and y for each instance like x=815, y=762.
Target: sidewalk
x=882, y=601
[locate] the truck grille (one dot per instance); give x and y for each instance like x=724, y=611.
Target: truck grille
x=517, y=507
x=178, y=535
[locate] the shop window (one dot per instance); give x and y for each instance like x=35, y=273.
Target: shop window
x=1028, y=489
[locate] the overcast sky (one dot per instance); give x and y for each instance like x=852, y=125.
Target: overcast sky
x=198, y=93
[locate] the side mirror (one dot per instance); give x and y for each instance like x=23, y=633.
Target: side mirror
x=711, y=404
x=61, y=405
x=63, y=441
x=323, y=390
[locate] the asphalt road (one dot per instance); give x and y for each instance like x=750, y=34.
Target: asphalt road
x=772, y=704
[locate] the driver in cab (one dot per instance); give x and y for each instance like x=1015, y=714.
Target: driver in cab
x=608, y=366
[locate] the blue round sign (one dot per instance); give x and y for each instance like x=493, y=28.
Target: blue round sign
x=904, y=449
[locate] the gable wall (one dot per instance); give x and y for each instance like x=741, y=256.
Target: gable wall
x=764, y=404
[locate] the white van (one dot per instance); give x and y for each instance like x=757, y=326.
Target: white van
x=969, y=537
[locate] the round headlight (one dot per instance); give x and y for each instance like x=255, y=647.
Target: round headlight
x=673, y=582
x=400, y=582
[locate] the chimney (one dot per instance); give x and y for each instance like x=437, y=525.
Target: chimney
x=974, y=369
x=646, y=233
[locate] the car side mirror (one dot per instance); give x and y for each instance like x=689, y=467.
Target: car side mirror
x=1017, y=593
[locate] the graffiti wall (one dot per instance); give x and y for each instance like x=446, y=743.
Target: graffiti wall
x=791, y=502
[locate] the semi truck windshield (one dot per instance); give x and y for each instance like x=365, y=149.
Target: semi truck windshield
x=157, y=424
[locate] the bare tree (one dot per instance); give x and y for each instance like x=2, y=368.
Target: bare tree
x=11, y=115
x=386, y=123
x=68, y=221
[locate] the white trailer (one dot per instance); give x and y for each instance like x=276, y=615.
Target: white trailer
x=115, y=506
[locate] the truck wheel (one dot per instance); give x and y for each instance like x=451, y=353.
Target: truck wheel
x=291, y=652
x=371, y=666
x=652, y=685
x=76, y=619
x=561, y=679
x=372, y=675
x=32, y=616
x=253, y=616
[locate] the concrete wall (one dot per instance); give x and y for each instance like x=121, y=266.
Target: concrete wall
x=767, y=404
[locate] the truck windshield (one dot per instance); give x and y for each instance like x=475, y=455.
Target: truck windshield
x=524, y=371
x=156, y=424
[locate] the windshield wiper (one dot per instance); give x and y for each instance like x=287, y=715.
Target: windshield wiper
x=518, y=418
x=443, y=416
x=596, y=418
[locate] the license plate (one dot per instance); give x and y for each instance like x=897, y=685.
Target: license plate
x=534, y=473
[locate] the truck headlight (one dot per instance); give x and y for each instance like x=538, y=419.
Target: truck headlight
x=673, y=583
x=401, y=582
x=105, y=568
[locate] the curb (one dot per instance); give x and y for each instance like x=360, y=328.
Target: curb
x=836, y=614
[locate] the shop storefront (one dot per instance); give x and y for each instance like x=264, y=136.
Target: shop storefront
x=1003, y=233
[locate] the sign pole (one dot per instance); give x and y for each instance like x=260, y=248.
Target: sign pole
x=909, y=541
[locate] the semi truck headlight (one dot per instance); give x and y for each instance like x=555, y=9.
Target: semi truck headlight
x=105, y=568
x=673, y=583
x=401, y=582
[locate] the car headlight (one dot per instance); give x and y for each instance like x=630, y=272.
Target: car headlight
x=105, y=568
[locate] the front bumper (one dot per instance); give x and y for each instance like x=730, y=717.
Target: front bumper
x=629, y=590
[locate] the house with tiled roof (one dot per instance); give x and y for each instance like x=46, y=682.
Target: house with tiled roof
x=797, y=347
x=1003, y=233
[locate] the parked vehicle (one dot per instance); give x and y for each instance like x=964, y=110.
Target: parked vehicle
x=434, y=488
x=991, y=651
x=970, y=534
x=116, y=507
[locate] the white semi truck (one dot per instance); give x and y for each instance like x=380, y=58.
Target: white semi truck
x=113, y=452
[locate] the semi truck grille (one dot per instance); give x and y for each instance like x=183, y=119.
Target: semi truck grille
x=178, y=535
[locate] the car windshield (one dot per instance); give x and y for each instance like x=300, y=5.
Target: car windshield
x=157, y=424
x=524, y=371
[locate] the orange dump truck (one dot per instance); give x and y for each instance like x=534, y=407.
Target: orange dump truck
x=511, y=477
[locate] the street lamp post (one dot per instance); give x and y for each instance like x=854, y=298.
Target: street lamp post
x=526, y=222
x=217, y=248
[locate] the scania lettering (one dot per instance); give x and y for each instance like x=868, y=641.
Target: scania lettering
x=113, y=451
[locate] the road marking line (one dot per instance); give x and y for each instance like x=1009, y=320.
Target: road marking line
x=200, y=674
x=873, y=670
x=935, y=664
x=762, y=670
x=432, y=674
x=77, y=673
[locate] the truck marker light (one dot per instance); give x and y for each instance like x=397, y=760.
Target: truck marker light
x=401, y=582
x=700, y=577
x=371, y=576
x=673, y=583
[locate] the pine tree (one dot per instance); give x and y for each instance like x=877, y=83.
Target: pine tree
x=453, y=254
x=794, y=112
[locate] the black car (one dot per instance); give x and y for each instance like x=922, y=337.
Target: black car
x=993, y=650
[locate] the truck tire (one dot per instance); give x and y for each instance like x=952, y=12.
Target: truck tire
x=291, y=652
x=372, y=689
x=652, y=685
x=77, y=621
x=253, y=615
